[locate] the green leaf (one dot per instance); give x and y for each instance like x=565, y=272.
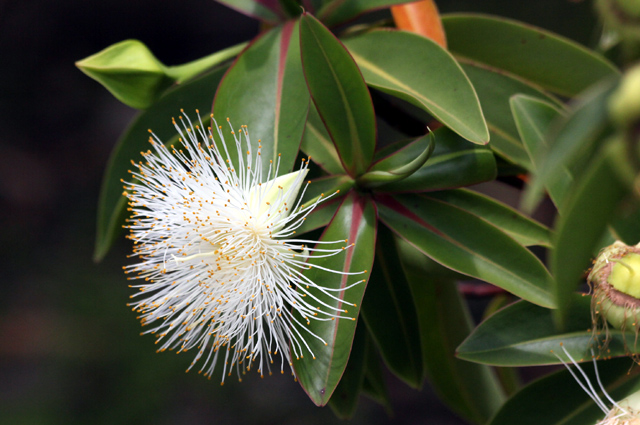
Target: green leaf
x=344, y=400
x=520, y=227
x=419, y=71
x=390, y=315
x=339, y=11
x=557, y=399
x=264, y=10
x=355, y=221
x=265, y=90
x=539, y=56
x=471, y=390
x=335, y=187
x=196, y=94
x=340, y=95
x=494, y=90
x=533, y=117
x=588, y=211
x=380, y=174
x=453, y=163
x=571, y=141
x=523, y=334
x=130, y=72
x=317, y=144
x=465, y=243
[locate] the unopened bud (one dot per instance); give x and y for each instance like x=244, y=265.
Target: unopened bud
x=130, y=72
x=615, y=280
x=624, y=104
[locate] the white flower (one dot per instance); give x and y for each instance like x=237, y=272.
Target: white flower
x=222, y=272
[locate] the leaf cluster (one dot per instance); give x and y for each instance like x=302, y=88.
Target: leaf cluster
x=504, y=100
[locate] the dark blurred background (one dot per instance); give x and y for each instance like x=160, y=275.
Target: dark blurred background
x=70, y=350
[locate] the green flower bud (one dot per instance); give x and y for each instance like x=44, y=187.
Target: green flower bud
x=615, y=280
x=624, y=103
x=130, y=72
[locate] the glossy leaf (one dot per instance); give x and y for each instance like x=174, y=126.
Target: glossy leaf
x=463, y=242
x=265, y=10
x=494, y=90
x=340, y=95
x=453, y=163
x=339, y=11
x=380, y=174
x=333, y=188
x=355, y=221
x=557, y=399
x=130, y=72
x=265, y=90
x=320, y=216
x=523, y=334
x=533, y=117
x=471, y=390
x=520, y=227
x=539, y=56
x=196, y=94
x=317, y=144
x=571, y=141
x=344, y=400
x=588, y=211
x=419, y=71
x=390, y=315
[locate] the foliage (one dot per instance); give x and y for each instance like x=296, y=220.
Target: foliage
x=504, y=99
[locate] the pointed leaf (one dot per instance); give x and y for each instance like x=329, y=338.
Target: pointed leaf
x=588, y=211
x=380, y=174
x=465, y=243
x=265, y=90
x=520, y=227
x=196, y=94
x=533, y=117
x=570, y=404
x=571, y=141
x=339, y=11
x=344, y=400
x=265, y=10
x=394, y=62
x=453, y=163
x=317, y=144
x=340, y=95
x=472, y=391
x=537, y=55
x=494, y=90
x=355, y=221
x=523, y=334
x=390, y=314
